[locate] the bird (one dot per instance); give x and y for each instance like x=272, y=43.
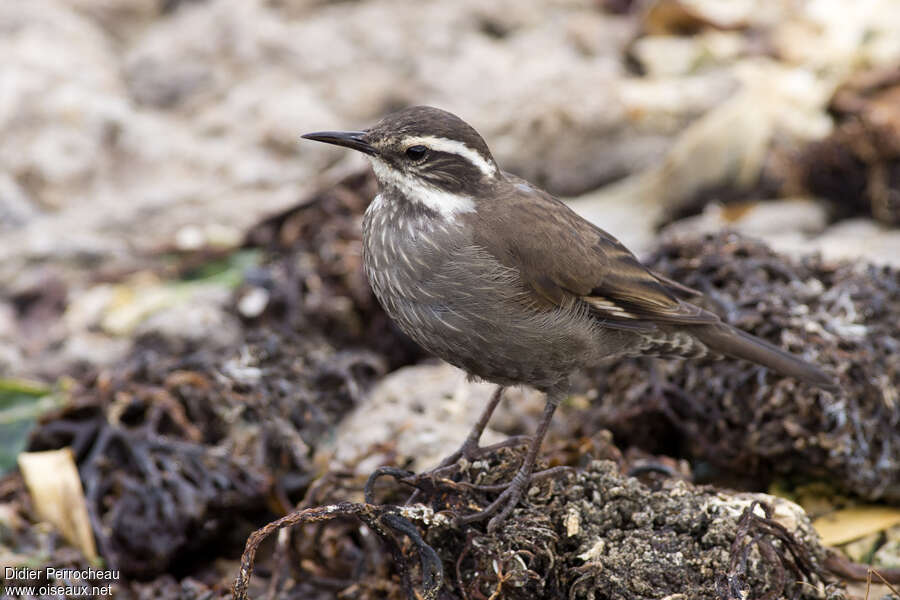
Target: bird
x=503, y=280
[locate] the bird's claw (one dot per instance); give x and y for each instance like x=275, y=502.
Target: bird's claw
x=500, y=508
x=471, y=451
x=510, y=494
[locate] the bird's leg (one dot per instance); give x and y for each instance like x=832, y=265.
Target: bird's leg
x=470, y=448
x=510, y=496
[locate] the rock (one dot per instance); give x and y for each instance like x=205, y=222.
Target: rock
x=84, y=348
x=8, y=324
x=210, y=235
x=121, y=19
x=888, y=556
x=861, y=550
x=61, y=72
x=855, y=239
x=16, y=208
x=673, y=56
x=11, y=359
x=727, y=147
x=201, y=321
x=796, y=226
x=427, y=411
x=832, y=40
x=758, y=219
x=253, y=302
x=149, y=118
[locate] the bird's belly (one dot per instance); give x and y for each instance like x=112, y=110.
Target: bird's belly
x=512, y=348
x=471, y=312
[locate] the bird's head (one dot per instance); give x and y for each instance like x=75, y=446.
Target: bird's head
x=428, y=155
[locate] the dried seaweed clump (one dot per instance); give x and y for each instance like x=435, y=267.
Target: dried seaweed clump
x=744, y=419
x=599, y=534
x=182, y=456
x=857, y=167
x=591, y=534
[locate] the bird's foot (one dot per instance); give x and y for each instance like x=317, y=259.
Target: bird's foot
x=471, y=451
x=510, y=494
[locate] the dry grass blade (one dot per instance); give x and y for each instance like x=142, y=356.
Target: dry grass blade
x=878, y=574
x=53, y=481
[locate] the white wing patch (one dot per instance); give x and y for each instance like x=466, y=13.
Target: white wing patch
x=609, y=307
x=454, y=147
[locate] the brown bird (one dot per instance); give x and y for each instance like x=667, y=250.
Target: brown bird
x=501, y=279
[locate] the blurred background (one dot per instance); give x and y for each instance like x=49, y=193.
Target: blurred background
x=135, y=126
x=171, y=254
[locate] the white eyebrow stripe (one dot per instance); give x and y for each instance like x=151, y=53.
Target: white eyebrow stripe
x=442, y=144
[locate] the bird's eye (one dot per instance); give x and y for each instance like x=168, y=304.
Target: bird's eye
x=416, y=152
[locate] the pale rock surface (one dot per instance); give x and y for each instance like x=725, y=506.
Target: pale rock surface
x=199, y=323
x=727, y=146
x=125, y=129
x=121, y=125
x=776, y=104
x=889, y=554
x=11, y=358
x=798, y=226
x=427, y=411
x=860, y=239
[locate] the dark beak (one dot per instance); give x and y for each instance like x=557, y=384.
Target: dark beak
x=349, y=139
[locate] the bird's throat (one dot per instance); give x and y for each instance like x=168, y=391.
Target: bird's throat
x=417, y=191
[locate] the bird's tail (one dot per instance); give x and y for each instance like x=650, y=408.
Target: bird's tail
x=733, y=342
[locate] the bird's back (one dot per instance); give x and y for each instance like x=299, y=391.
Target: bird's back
x=566, y=257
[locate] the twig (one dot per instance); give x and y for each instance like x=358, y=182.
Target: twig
x=383, y=520
x=847, y=569
x=753, y=530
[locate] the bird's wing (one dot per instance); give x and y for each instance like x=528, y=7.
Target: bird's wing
x=560, y=255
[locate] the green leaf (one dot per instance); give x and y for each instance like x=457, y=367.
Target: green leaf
x=21, y=403
x=227, y=271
